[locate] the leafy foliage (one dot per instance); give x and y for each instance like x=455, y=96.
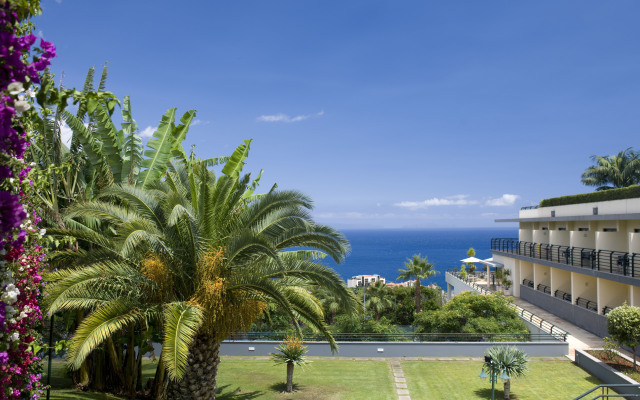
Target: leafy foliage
x=623, y=324
x=472, y=313
x=631, y=192
x=615, y=171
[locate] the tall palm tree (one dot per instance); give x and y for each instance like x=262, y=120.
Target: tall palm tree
x=615, y=171
x=419, y=268
x=509, y=360
x=201, y=256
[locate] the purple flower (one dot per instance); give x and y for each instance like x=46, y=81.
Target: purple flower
x=11, y=212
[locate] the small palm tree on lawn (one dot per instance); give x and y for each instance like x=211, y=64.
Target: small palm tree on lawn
x=511, y=361
x=292, y=353
x=419, y=268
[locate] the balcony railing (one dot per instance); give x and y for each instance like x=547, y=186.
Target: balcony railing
x=615, y=262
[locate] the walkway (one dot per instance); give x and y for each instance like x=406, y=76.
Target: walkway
x=578, y=338
x=400, y=380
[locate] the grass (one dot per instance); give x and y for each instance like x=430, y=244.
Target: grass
x=322, y=379
x=330, y=379
x=241, y=379
x=452, y=380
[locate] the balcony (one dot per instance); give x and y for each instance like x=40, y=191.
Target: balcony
x=614, y=262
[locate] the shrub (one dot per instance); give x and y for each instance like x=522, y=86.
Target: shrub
x=604, y=195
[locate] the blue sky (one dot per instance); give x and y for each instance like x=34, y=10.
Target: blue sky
x=389, y=114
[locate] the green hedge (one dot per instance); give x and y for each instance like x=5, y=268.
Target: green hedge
x=603, y=195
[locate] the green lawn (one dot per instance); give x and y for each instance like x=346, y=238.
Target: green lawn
x=329, y=379
x=453, y=380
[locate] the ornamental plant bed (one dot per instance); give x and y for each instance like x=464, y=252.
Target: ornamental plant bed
x=617, y=362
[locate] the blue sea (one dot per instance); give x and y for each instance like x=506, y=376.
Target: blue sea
x=383, y=252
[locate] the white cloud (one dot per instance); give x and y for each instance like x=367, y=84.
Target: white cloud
x=457, y=200
x=286, y=118
x=197, y=122
x=59, y=1
x=65, y=134
x=505, y=200
x=148, y=131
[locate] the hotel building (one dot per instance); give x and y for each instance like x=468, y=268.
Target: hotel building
x=576, y=261
x=363, y=280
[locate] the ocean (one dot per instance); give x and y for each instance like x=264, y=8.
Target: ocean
x=383, y=252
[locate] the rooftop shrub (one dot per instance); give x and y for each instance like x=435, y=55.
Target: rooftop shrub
x=604, y=195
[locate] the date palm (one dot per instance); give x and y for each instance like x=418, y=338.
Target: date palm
x=615, y=171
x=201, y=256
x=419, y=268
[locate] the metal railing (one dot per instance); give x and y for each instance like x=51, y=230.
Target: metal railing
x=586, y=303
x=543, y=288
x=605, y=394
x=528, y=316
x=405, y=337
x=614, y=262
x=562, y=295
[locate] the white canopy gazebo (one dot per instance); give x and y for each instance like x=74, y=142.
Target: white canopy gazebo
x=488, y=262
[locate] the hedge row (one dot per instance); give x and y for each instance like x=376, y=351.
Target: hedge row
x=604, y=195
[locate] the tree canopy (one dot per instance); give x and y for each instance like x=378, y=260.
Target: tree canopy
x=472, y=313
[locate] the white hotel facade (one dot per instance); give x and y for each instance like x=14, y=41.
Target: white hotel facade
x=576, y=261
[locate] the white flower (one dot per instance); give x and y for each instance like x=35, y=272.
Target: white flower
x=21, y=106
x=43, y=232
x=31, y=93
x=15, y=88
x=10, y=295
x=14, y=336
x=9, y=310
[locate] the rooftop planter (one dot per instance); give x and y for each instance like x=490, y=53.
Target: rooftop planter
x=630, y=192
x=604, y=372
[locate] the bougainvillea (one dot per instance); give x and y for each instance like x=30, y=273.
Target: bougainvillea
x=20, y=253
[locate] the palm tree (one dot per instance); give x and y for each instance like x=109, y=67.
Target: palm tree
x=508, y=360
x=615, y=171
x=200, y=256
x=379, y=298
x=419, y=268
x=292, y=353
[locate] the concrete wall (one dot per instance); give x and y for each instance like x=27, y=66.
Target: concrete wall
x=605, y=373
x=612, y=294
x=581, y=317
x=396, y=349
x=626, y=206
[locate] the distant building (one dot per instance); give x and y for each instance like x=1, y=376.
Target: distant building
x=405, y=284
x=364, y=280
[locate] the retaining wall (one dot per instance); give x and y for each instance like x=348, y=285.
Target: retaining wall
x=396, y=349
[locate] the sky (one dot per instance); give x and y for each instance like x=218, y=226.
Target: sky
x=389, y=114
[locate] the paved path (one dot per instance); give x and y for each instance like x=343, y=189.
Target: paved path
x=578, y=338
x=400, y=380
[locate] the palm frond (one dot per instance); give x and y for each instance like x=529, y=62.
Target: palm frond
x=181, y=323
